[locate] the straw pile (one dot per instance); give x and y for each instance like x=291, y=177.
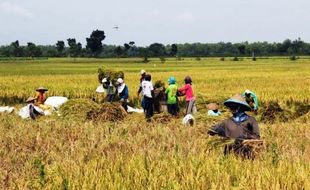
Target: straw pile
x=273, y=112
x=247, y=149
x=107, y=112
x=77, y=109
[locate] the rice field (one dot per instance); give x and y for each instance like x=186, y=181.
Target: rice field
x=60, y=153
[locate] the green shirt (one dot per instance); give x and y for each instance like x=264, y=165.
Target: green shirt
x=171, y=91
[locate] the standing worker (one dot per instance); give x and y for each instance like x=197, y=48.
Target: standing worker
x=189, y=95
x=142, y=73
x=251, y=99
x=123, y=93
x=148, y=94
x=109, y=88
x=172, y=101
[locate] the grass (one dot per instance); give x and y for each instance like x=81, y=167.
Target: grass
x=62, y=153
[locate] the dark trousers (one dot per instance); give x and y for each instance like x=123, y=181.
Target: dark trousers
x=124, y=104
x=148, y=107
x=173, y=109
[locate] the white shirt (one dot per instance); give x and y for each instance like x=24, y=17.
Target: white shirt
x=147, y=88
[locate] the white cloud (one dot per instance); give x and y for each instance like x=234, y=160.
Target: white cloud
x=186, y=17
x=15, y=9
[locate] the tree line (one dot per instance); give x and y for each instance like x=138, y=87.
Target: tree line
x=96, y=48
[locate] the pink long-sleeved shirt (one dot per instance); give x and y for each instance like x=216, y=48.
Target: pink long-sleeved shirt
x=188, y=90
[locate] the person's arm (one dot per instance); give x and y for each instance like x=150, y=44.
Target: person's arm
x=217, y=129
x=184, y=88
x=126, y=93
x=255, y=101
x=31, y=112
x=255, y=130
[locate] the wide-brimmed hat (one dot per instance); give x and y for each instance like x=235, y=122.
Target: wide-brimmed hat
x=213, y=106
x=30, y=99
x=41, y=89
x=238, y=100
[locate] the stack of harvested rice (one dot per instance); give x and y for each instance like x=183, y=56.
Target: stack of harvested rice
x=77, y=109
x=107, y=112
x=114, y=75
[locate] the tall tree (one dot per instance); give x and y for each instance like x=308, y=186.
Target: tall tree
x=60, y=46
x=118, y=51
x=74, y=48
x=33, y=50
x=174, y=50
x=157, y=50
x=94, y=42
x=15, y=49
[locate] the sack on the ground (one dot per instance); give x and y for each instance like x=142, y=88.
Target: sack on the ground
x=6, y=109
x=55, y=101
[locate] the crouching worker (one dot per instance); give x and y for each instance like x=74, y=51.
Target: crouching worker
x=239, y=127
x=213, y=109
x=148, y=94
x=32, y=110
x=122, y=91
x=172, y=102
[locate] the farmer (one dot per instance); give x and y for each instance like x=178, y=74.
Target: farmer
x=148, y=94
x=187, y=90
x=159, y=96
x=122, y=91
x=109, y=88
x=172, y=102
x=213, y=109
x=142, y=73
x=40, y=97
x=240, y=126
x=251, y=99
x=32, y=109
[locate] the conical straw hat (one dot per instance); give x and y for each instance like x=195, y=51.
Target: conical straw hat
x=41, y=89
x=239, y=100
x=212, y=106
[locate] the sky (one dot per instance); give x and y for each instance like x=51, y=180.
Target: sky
x=147, y=21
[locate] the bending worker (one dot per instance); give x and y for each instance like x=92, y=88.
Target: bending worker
x=251, y=99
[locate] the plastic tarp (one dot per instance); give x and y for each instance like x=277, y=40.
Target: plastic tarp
x=134, y=110
x=100, y=89
x=24, y=112
x=6, y=109
x=55, y=101
x=187, y=119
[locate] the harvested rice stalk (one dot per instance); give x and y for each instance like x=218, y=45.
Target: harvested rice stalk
x=107, y=112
